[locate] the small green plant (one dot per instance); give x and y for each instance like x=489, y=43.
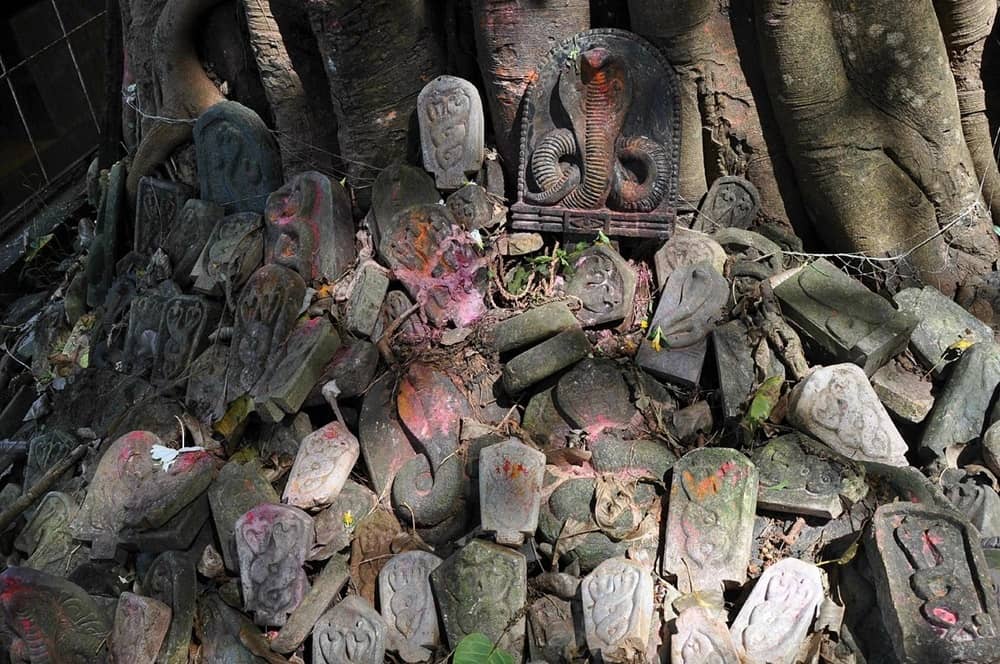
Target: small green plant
x=477, y=648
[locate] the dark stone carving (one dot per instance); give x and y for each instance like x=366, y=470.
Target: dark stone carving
x=396, y=188
x=186, y=240
x=171, y=579
x=238, y=160
x=233, y=251
x=158, y=207
x=731, y=202
x=384, y=445
x=452, y=129
x=600, y=139
x=46, y=538
x=471, y=207
x=184, y=328
x=351, y=632
x=605, y=284
x=142, y=341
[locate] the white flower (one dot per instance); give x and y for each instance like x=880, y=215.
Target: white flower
x=167, y=455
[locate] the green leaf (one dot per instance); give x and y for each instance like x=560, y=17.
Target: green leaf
x=764, y=401
x=602, y=238
x=996, y=229
x=477, y=648
x=518, y=279
x=37, y=246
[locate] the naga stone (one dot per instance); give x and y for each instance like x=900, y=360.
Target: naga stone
x=384, y=445
x=483, y=588
x=310, y=228
x=51, y=620
x=532, y=326
x=206, y=386
x=904, y=394
x=218, y=628
x=141, y=625
x=776, y=617
x=411, y=330
x=510, y=486
x=846, y=319
x=233, y=251
x=684, y=249
x=709, y=533
x=172, y=580
x=325, y=459
x=101, y=254
x=737, y=369
x=974, y=496
x=295, y=368
x=604, y=283
x=471, y=206
x=594, y=396
x=800, y=476
x=452, y=130
x=371, y=550
x=46, y=537
x=838, y=405
x=367, y=295
x=335, y=525
x=145, y=318
x=396, y=188
x=691, y=304
x=407, y=602
x=351, y=632
x=618, y=609
x=942, y=323
x=157, y=209
x=176, y=534
x=437, y=262
x=184, y=328
x=325, y=589
x=238, y=488
x=600, y=139
x=701, y=638
x=272, y=542
x=238, y=160
x=933, y=585
x=130, y=488
x=45, y=451
x=731, y=202
x=961, y=408
x=188, y=237
x=546, y=359
x=265, y=316
x=351, y=368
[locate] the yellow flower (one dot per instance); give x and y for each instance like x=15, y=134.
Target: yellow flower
x=657, y=339
x=348, y=519
x=643, y=324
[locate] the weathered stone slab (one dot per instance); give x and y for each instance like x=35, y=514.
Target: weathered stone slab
x=709, y=530
x=157, y=209
x=690, y=306
x=206, y=387
x=471, y=207
x=960, y=410
x=942, y=322
x=618, y=609
x=737, y=370
x=932, y=585
x=141, y=625
x=731, y=202
x=238, y=159
x=171, y=579
x=102, y=251
x=272, y=542
x=687, y=248
x=396, y=188
x=384, y=445
x=546, y=359
x=325, y=589
x=408, y=604
x=594, y=396
x=51, y=620
x=46, y=537
x=218, y=628
x=532, y=326
x=189, y=235
x=904, y=394
x=230, y=255
x=371, y=550
x=351, y=368
x=701, y=638
x=849, y=321
x=751, y=257
x=452, y=130
x=351, y=632
x=637, y=458
x=176, y=534
x=335, y=525
x=46, y=450
x=265, y=316
x=510, y=486
x=543, y=421
x=481, y=588
x=437, y=262
x=605, y=284
x=412, y=330
x=130, y=488
x=310, y=228
x=837, y=405
x=553, y=630
x=367, y=295
x=145, y=317
x=184, y=328
x=325, y=460
x=800, y=476
x=777, y=615
x=974, y=496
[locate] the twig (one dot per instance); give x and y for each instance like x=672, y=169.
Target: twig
x=41, y=486
x=383, y=342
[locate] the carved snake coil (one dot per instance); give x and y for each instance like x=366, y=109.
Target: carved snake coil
x=605, y=180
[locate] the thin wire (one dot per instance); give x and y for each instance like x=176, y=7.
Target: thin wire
x=24, y=121
x=76, y=66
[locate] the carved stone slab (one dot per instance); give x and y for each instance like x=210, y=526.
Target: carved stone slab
x=46, y=450
x=605, y=284
x=218, y=628
x=852, y=323
x=238, y=488
x=510, y=490
x=184, y=328
x=480, y=588
x=384, y=445
x=205, y=397
x=933, y=585
x=801, y=476
x=272, y=542
x=310, y=228
x=230, y=255
x=777, y=615
x=351, y=632
x=837, y=405
x=452, y=130
x=684, y=249
x=145, y=318
x=187, y=238
x=367, y=294
x=709, y=531
x=600, y=139
x=171, y=579
x=437, y=262
x=471, y=207
x=736, y=366
x=371, y=550
x=690, y=306
x=157, y=209
x=325, y=459
x=265, y=316
x=731, y=202
x=974, y=496
x=51, y=619
x=942, y=322
x=101, y=256
x=141, y=625
x=335, y=525
x=238, y=159
x=702, y=638
x=404, y=589
x=47, y=540
x=594, y=396
x=553, y=629
x=618, y=609
x=396, y=188
x=176, y=534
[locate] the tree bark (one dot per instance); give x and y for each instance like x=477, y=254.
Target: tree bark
x=114, y=65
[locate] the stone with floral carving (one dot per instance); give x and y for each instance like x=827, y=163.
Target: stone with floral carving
x=233, y=251
x=47, y=540
x=141, y=625
x=510, y=490
x=618, y=609
x=157, y=209
x=684, y=249
x=701, y=638
x=325, y=459
x=452, y=129
x=604, y=283
x=351, y=632
x=731, y=202
x=408, y=604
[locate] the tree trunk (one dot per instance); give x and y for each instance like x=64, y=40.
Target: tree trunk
x=114, y=65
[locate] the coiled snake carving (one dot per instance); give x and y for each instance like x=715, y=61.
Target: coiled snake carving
x=596, y=146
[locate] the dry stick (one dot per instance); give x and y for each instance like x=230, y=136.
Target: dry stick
x=41, y=486
x=383, y=342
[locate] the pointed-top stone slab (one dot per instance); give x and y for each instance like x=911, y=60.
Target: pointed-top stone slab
x=408, y=604
x=618, y=609
x=141, y=625
x=510, y=486
x=351, y=632
x=325, y=459
x=731, y=202
x=702, y=638
x=158, y=206
x=452, y=129
x=684, y=249
x=605, y=284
